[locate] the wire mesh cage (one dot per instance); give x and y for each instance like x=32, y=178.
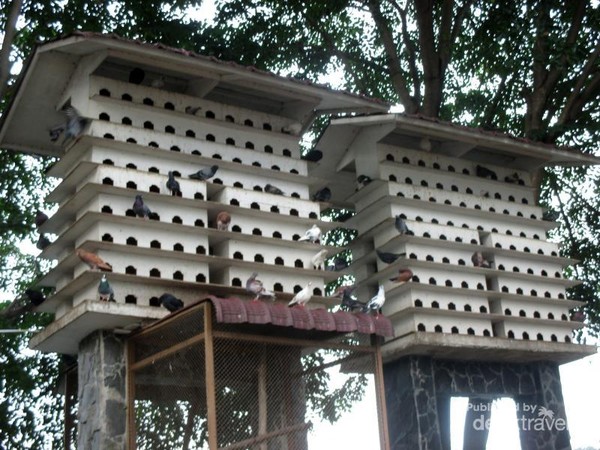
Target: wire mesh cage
x=197, y=383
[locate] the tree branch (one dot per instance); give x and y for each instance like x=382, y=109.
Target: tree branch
x=394, y=67
x=10, y=31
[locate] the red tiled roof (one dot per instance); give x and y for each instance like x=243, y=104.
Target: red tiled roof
x=235, y=310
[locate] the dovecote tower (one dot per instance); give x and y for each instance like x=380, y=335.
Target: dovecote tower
x=497, y=330
x=154, y=110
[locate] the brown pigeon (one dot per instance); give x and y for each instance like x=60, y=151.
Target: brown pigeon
x=479, y=261
x=93, y=260
x=403, y=276
x=223, y=220
x=256, y=287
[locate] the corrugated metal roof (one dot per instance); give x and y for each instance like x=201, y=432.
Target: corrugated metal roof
x=232, y=310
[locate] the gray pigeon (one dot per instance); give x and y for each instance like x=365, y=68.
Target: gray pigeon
x=401, y=225
x=388, y=257
x=205, y=173
x=192, y=110
x=256, y=287
x=42, y=242
x=349, y=302
x=322, y=195
x=272, y=189
x=140, y=208
x=362, y=181
x=170, y=302
x=479, y=261
x=173, y=185
x=105, y=290
x=72, y=128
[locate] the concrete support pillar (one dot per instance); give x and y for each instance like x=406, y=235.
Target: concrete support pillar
x=102, y=400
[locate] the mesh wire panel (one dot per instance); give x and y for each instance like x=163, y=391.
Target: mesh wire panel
x=266, y=391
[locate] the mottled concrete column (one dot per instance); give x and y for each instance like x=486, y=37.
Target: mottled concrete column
x=102, y=401
x=541, y=418
x=413, y=418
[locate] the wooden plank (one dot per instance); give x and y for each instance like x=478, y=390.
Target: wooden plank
x=166, y=352
x=211, y=402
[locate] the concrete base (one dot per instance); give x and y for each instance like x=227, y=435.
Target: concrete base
x=419, y=389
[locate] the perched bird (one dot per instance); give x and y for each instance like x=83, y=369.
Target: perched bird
x=479, y=260
x=72, y=128
x=313, y=234
x=362, y=181
x=376, y=303
x=577, y=316
x=42, y=242
x=513, y=178
x=389, y=257
x=403, y=276
x=349, y=302
x=401, y=226
x=136, y=76
x=93, y=260
x=140, y=208
x=223, y=220
x=170, y=302
x=318, y=261
x=338, y=263
x=173, y=185
x=313, y=155
x=40, y=218
x=105, y=291
x=484, y=172
x=35, y=297
x=302, y=297
x=192, y=110
x=273, y=189
x=205, y=174
x=256, y=287
x=293, y=128
x=322, y=195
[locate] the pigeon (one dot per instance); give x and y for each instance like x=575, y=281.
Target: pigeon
x=479, y=260
x=223, y=220
x=349, y=302
x=140, y=208
x=173, y=185
x=136, y=76
x=302, y=297
x=170, y=302
x=192, y=110
x=313, y=234
x=313, y=155
x=93, y=260
x=318, y=261
x=40, y=218
x=338, y=263
x=256, y=287
x=293, y=128
x=484, y=172
x=322, y=195
x=513, y=178
x=376, y=303
x=35, y=297
x=403, y=276
x=72, y=128
x=401, y=225
x=205, y=173
x=105, y=291
x=577, y=316
x=42, y=242
x=362, y=181
x=388, y=257
x=273, y=189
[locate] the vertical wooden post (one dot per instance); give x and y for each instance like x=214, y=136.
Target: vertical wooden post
x=209, y=356
x=70, y=390
x=380, y=396
x=262, y=396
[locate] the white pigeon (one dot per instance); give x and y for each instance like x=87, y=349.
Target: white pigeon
x=376, y=303
x=318, y=261
x=313, y=234
x=302, y=297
